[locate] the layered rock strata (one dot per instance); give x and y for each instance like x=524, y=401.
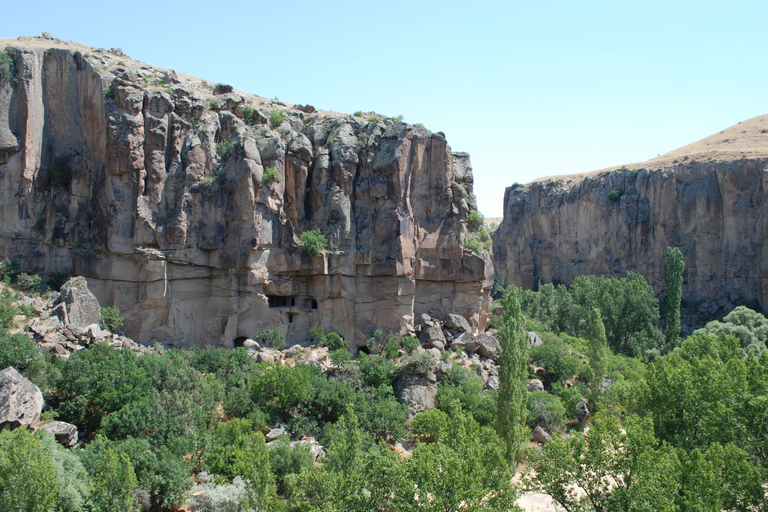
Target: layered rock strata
x=160, y=190
x=620, y=221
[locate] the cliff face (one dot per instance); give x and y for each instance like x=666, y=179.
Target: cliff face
x=196, y=246
x=714, y=212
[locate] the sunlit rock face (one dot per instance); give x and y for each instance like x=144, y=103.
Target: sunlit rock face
x=162, y=194
x=714, y=212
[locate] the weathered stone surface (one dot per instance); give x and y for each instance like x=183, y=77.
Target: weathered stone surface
x=457, y=323
x=715, y=212
x=65, y=433
x=540, y=435
x=431, y=334
x=534, y=340
x=418, y=392
x=582, y=412
x=197, y=249
x=21, y=402
x=488, y=345
x=79, y=307
x=535, y=385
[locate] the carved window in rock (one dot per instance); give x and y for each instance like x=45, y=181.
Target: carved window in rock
x=309, y=304
x=281, y=301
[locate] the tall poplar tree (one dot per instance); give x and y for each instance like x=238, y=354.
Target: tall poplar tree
x=597, y=354
x=673, y=288
x=513, y=375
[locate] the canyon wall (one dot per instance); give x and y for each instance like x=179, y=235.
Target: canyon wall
x=156, y=187
x=715, y=212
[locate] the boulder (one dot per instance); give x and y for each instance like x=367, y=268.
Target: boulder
x=222, y=89
x=431, y=334
x=488, y=345
x=467, y=341
x=582, y=412
x=65, y=433
x=279, y=430
x=540, y=435
x=534, y=340
x=418, y=392
x=21, y=402
x=458, y=323
x=492, y=382
x=77, y=307
x=535, y=385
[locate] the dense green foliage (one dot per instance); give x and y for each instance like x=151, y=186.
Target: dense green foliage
x=629, y=311
x=276, y=118
x=513, y=374
x=271, y=175
x=111, y=317
x=748, y=326
x=597, y=355
x=27, y=473
x=313, y=242
x=6, y=66
x=673, y=289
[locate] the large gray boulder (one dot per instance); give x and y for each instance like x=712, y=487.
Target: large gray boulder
x=77, y=307
x=488, y=346
x=21, y=402
x=458, y=323
x=65, y=433
x=431, y=335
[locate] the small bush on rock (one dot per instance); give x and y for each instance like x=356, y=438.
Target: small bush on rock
x=313, y=242
x=276, y=118
x=111, y=317
x=271, y=175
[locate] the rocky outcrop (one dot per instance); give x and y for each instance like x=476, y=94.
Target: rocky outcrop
x=77, y=307
x=184, y=208
x=715, y=212
x=21, y=402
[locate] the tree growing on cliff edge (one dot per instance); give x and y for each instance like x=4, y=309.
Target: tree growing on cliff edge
x=513, y=374
x=673, y=288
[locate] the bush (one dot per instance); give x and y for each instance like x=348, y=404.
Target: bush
x=209, y=181
x=340, y=356
x=6, y=66
x=27, y=473
x=270, y=175
x=8, y=309
x=224, y=149
x=276, y=118
x=112, y=318
x=556, y=359
x=9, y=269
x=29, y=283
x=60, y=172
x=545, y=410
x=475, y=221
x=334, y=341
x=273, y=338
x=312, y=242
x=410, y=343
x=430, y=426
x=21, y=352
x=247, y=112
x=109, y=91
x=376, y=370
x=615, y=194
x=472, y=244
x=358, y=113
x=633, y=174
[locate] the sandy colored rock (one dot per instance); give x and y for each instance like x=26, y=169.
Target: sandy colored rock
x=21, y=402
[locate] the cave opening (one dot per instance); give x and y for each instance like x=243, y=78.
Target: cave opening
x=240, y=341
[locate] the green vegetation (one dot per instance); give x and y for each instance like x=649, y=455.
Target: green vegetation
x=109, y=91
x=214, y=104
x=59, y=172
x=276, y=118
x=29, y=283
x=472, y=244
x=224, y=149
x=358, y=113
x=673, y=289
x=273, y=338
x=373, y=118
x=271, y=175
x=27, y=474
x=398, y=119
x=40, y=223
x=632, y=174
x=475, y=221
x=744, y=324
x=205, y=182
x=57, y=280
x=112, y=318
x=247, y=112
x=615, y=195
x=312, y=242
x=7, y=68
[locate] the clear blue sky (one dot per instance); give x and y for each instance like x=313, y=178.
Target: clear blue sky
x=528, y=88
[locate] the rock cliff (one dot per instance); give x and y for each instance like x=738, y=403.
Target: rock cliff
x=159, y=189
x=617, y=221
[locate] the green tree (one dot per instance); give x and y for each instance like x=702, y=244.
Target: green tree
x=27, y=473
x=114, y=484
x=748, y=326
x=511, y=407
x=72, y=482
x=346, y=440
x=252, y=464
x=673, y=289
x=597, y=354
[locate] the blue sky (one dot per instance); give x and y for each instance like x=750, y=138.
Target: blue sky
x=529, y=89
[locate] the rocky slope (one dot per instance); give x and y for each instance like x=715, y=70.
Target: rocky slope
x=152, y=186
x=711, y=207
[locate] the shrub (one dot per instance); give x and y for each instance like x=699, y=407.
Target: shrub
x=475, y=221
x=7, y=308
x=213, y=104
x=430, y=426
x=276, y=118
x=21, y=352
x=109, y=91
x=373, y=119
x=334, y=341
x=270, y=175
x=313, y=242
x=633, y=174
x=111, y=317
x=273, y=338
x=208, y=181
x=224, y=149
x=398, y=119
x=40, y=223
x=359, y=113
x=9, y=268
x=376, y=370
x=545, y=410
x=247, y=111
x=317, y=335
x=60, y=172
x=410, y=343
x=391, y=348
x=615, y=194
x=27, y=473
x=472, y=244
x=340, y=356
x=6, y=66
x=29, y=283
x=557, y=360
